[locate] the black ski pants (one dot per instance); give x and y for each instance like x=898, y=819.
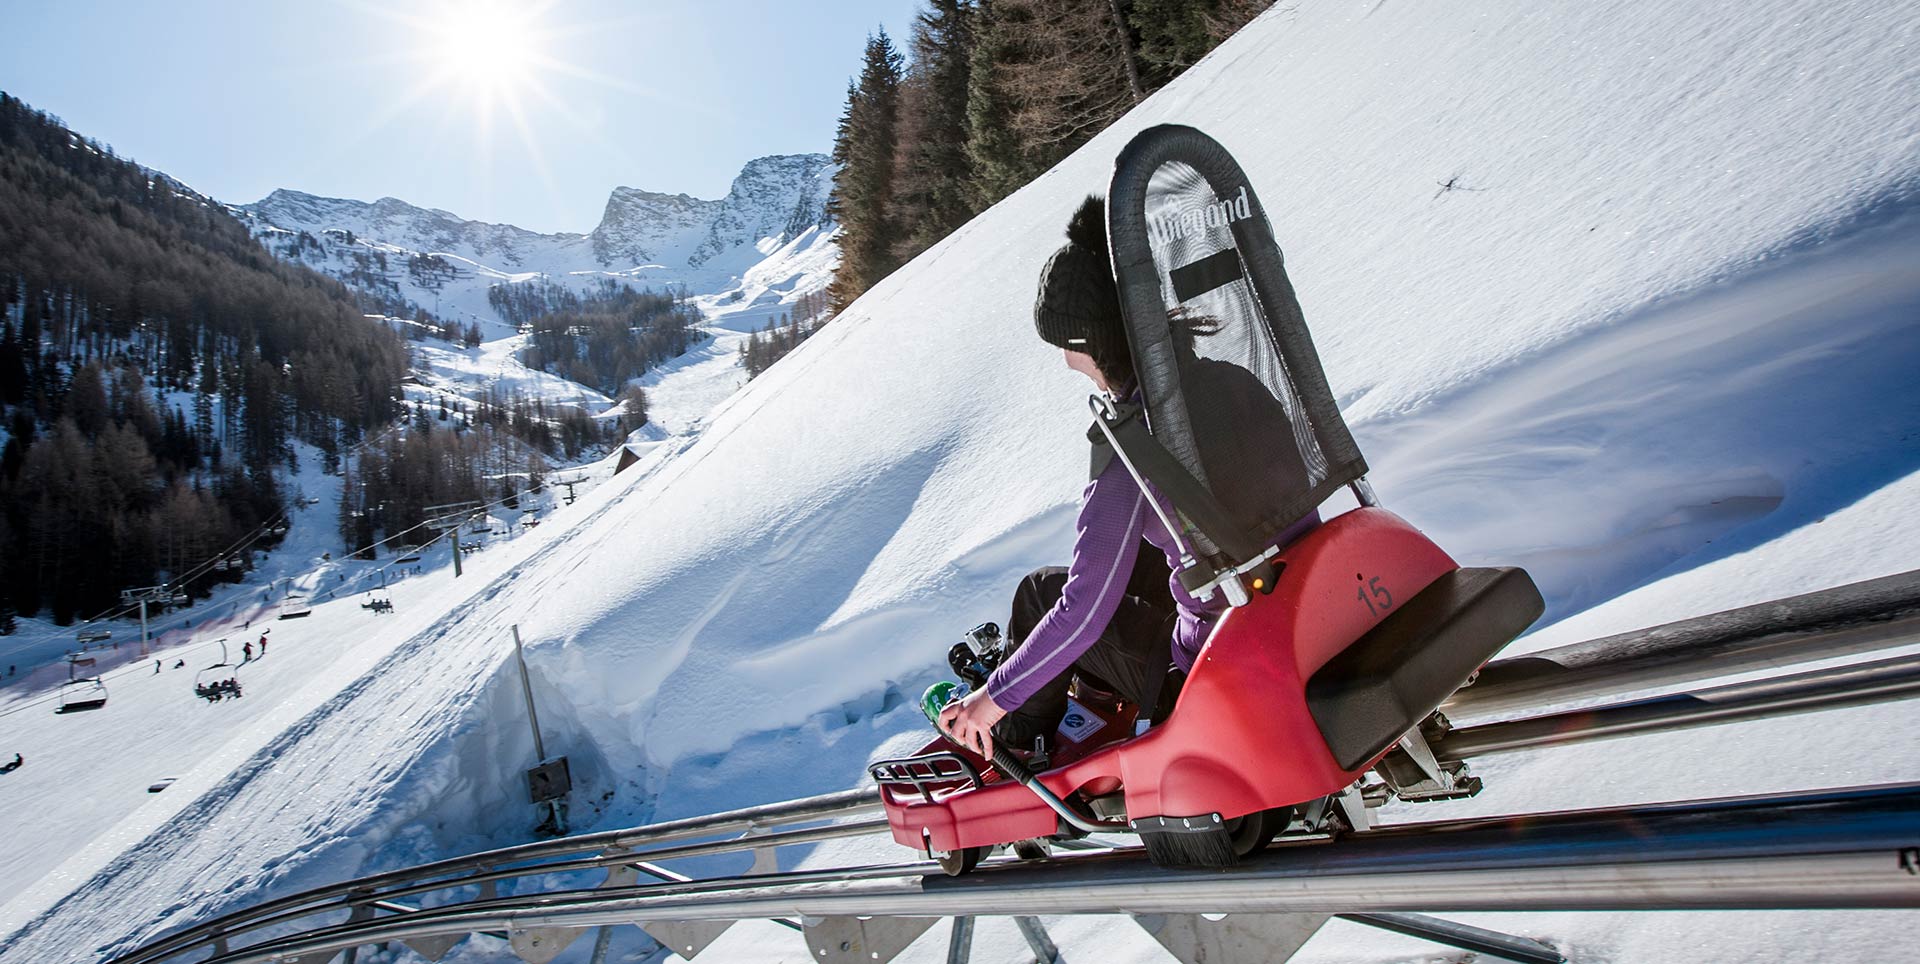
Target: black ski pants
x=1131, y=657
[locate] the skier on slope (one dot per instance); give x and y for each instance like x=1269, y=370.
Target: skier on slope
x=1086, y=618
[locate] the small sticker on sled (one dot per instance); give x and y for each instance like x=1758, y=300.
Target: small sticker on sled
x=1080, y=722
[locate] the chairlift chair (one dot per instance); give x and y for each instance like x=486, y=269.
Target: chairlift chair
x=205, y=681
x=85, y=693
x=86, y=636
x=81, y=692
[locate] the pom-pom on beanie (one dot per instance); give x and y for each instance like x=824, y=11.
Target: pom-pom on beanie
x=1078, y=306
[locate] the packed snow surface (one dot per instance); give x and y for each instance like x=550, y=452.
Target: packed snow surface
x=1622, y=292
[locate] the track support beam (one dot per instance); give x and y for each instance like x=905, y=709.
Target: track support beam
x=1467, y=937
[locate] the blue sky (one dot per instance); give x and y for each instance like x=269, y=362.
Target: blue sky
x=351, y=98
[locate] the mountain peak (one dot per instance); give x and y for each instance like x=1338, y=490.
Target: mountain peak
x=777, y=196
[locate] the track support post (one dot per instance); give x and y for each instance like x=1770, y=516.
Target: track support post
x=1043, y=950
x=960, y=941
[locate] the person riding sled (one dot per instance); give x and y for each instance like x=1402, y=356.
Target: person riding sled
x=1094, y=617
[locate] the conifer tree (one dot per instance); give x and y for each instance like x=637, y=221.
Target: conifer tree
x=999, y=162
x=932, y=168
x=863, y=190
x=1174, y=34
x=1069, y=76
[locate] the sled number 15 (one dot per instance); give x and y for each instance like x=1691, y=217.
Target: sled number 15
x=1376, y=596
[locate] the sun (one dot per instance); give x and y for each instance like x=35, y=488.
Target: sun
x=490, y=49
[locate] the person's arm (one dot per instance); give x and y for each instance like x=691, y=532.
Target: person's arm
x=1113, y=514
x=1106, y=543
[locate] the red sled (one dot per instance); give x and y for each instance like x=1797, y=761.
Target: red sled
x=1295, y=697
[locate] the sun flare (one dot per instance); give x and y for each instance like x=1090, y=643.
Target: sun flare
x=487, y=48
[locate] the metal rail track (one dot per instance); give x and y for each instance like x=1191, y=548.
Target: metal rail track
x=1857, y=848
x=1847, y=620
x=1858, y=684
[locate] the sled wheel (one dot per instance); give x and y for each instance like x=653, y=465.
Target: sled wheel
x=1032, y=849
x=957, y=862
x=1251, y=833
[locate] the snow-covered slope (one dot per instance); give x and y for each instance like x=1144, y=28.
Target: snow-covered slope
x=444, y=264
x=1656, y=342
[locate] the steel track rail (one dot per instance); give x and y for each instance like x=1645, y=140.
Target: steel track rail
x=1856, y=684
x=487, y=866
x=1857, y=848
x=1843, y=621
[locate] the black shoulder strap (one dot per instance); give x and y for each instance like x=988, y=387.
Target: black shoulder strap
x=1196, y=506
x=1102, y=452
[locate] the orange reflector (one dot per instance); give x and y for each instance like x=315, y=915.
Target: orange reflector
x=1259, y=584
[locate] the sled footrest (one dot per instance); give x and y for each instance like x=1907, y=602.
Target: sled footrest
x=927, y=772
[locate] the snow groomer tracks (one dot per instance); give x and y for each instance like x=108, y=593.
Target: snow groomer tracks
x=1838, y=848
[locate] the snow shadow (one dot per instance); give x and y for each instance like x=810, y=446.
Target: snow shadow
x=1697, y=428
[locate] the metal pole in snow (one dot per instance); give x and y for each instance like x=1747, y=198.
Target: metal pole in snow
x=526, y=687
x=533, y=717
x=516, y=632
x=143, y=627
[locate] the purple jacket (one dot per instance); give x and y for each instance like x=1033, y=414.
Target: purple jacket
x=1114, y=517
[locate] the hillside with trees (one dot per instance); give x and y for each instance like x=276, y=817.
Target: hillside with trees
x=989, y=94
x=607, y=337
x=156, y=367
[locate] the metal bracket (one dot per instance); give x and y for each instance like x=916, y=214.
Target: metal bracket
x=319, y=957
x=540, y=945
x=1248, y=938
x=1228, y=580
x=433, y=946
x=765, y=860
x=870, y=940
x=686, y=938
x=1413, y=774
x=1353, y=806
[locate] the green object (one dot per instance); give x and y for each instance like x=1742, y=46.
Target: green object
x=937, y=697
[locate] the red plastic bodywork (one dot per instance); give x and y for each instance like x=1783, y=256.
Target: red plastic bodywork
x=1240, y=739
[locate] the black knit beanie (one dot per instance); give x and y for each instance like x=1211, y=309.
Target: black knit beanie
x=1078, y=306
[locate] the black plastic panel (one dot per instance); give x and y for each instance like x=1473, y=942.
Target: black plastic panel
x=1384, y=684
